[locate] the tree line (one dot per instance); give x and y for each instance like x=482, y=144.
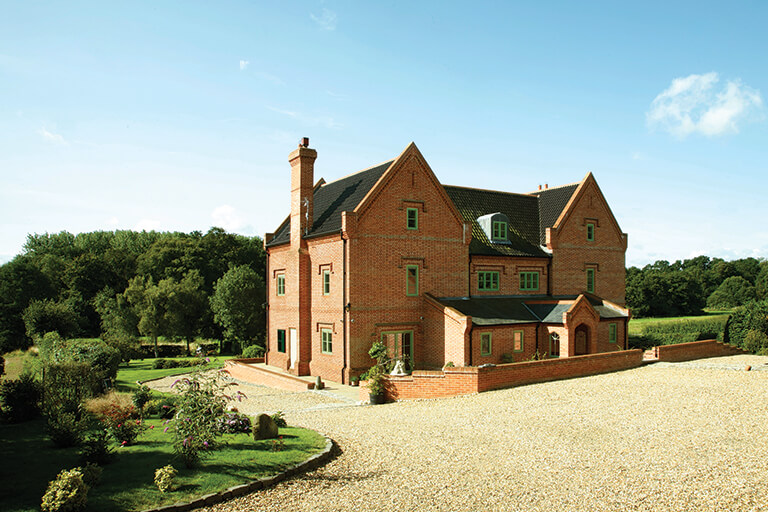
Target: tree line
x=687, y=287
x=120, y=285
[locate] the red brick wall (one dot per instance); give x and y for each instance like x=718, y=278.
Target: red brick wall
x=240, y=369
x=696, y=350
x=572, y=253
x=380, y=247
x=509, y=269
x=445, y=334
x=502, y=343
x=283, y=313
x=464, y=381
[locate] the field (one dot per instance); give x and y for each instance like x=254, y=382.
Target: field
x=636, y=325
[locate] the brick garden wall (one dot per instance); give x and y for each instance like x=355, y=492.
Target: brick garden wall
x=468, y=380
x=695, y=350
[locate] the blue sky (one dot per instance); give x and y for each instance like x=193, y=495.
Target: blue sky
x=179, y=116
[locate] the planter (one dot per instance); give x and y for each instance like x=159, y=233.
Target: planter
x=376, y=399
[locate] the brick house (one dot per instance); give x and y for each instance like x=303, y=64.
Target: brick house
x=439, y=273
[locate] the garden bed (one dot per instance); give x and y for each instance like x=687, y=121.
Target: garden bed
x=127, y=483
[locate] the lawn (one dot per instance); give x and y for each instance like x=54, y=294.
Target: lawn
x=636, y=324
x=127, y=483
x=142, y=370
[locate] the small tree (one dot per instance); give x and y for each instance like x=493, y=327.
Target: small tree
x=149, y=304
x=42, y=316
x=237, y=305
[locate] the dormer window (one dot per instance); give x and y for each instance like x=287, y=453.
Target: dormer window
x=499, y=230
x=496, y=227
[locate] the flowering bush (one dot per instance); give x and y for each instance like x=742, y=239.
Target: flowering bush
x=164, y=478
x=199, y=405
x=279, y=419
x=118, y=415
x=277, y=444
x=234, y=423
x=67, y=493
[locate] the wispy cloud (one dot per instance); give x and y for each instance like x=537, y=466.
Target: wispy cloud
x=308, y=120
x=326, y=20
x=694, y=104
x=243, y=64
x=51, y=137
x=226, y=217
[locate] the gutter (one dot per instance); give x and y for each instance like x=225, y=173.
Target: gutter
x=344, y=308
x=266, y=312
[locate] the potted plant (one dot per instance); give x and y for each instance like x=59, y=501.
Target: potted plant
x=353, y=381
x=376, y=385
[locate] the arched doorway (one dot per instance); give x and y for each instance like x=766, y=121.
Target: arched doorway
x=581, y=342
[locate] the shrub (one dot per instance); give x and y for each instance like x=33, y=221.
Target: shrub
x=67, y=385
x=67, y=493
x=253, y=351
x=96, y=449
x=750, y=317
x=200, y=402
x=118, y=415
x=376, y=380
x=65, y=428
x=234, y=423
x=91, y=473
x=159, y=364
x=20, y=399
x=279, y=419
x=756, y=342
x=164, y=478
x=151, y=408
x=167, y=407
x=141, y=396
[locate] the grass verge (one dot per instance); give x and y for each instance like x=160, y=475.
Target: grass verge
x=30, y=461
x=141, y=370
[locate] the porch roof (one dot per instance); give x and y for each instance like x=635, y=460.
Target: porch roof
x=527, y=309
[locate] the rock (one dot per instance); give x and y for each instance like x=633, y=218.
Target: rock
x=747, y=368
x=264, y=428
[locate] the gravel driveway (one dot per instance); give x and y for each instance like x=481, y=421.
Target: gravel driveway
x=671, y=437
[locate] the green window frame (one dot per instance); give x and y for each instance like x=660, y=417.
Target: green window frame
x=529, y=281
x=411, y=280
x=590, y=232
x=281, y=340
x=280, y=285
x=611, y=333
x=326, y=282
x=327, y=340
x=518, y=341
x=488, y=281
x=499, y=231
x=412, y=218
x=486, y=344
x=554, y=345
x=591, y=280
x=402, y=344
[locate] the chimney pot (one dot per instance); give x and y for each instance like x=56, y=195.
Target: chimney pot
x=546, y=186
x=304, y=142
x=539, y=187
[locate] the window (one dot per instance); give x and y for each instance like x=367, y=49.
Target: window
x=554, y=345
x=281, y=284
x=529, y=280
x=517, y=341
x=326, y=282
x=399, y=346
x=499, y=230
x=412, y=221
x=487, y=280
x=411, y=280
x=281, y=340
x=591, y=280
x=611, y=333
x=485, y=344
x=590, y=232
x=327, y=335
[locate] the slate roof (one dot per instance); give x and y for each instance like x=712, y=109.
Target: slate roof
x=521, y=209
x=552, y=201
x=333, y=198
x=529, y=214
x=511, y=310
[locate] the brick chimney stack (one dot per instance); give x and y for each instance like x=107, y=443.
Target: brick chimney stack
x=302, y=162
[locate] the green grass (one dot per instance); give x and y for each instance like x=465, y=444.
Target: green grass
x=14, y=364
x=30, y=461
x=636, y=325
x=141, y=370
